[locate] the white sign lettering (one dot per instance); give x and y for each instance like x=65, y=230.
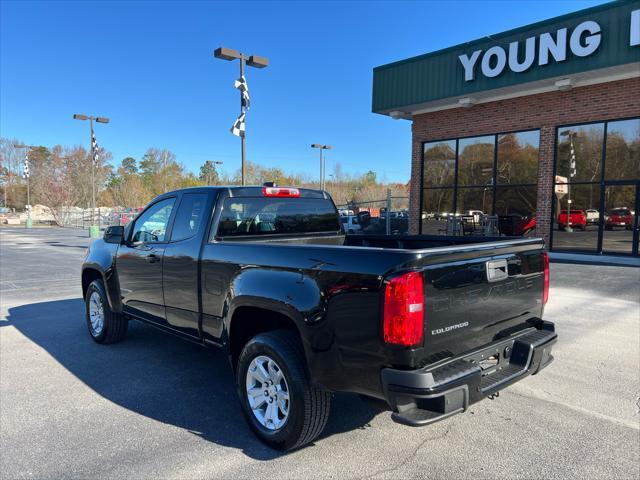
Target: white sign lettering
x=529, y=55
x=557, y=48
x=468, y=64
x=584, y=40
x=591, y=42
x=500, y=61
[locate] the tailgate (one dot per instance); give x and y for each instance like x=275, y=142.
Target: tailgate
x=475, y=297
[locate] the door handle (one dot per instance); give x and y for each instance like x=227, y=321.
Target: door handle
x=151, y=258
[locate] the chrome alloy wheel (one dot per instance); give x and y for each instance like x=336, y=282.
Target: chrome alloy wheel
x=267, y=392
x=96, y=314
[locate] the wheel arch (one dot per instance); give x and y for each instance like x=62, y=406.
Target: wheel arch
x=92, y=272
x=247, y=321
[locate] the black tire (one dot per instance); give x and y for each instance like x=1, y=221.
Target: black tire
x=308, y=405
x=115, y=325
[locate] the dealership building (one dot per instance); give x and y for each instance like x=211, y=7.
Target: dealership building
x=516, y=130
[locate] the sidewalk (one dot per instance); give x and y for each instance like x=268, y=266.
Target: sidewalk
x=608, y=260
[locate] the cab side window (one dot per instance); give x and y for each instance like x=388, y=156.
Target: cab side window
x=151, y=226
x=189, y=216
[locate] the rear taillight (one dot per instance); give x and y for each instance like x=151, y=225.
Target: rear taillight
x=545, y=291
x=280, y=192
x=403, y=322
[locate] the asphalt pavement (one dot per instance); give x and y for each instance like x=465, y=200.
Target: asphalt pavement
x=154, y=406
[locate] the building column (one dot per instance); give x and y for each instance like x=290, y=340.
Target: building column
x=544, y=222
x=415, y=184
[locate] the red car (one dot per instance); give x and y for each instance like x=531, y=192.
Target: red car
x=524, y=226
x=619, y=217
x=578, y=219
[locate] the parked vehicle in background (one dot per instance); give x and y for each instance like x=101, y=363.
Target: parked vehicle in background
x=576, y=219
x=428, y=324
x=344, y=212
x=619, y=217
x=524, y=225
x=476, y=214
x=351, y=224
x=516, y=225
x=593, y=216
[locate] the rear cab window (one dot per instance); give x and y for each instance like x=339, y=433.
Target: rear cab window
x=263, y=216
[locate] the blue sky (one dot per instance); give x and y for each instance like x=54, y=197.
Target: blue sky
x=149, y=67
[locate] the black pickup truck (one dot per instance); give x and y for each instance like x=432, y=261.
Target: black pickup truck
x=428, y=324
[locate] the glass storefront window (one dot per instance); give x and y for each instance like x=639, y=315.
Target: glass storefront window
x=472, y=197
x=587, y=145
x=576, y=228
x=437, y=206
x=516, y=200
x=516, y=209
x=439, y=163
x=475, y=201
x=603, y=189
x=619, y=218
x=623, y=150
x=517, y=159
x=475, y=160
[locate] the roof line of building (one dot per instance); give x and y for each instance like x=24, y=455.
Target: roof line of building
x=500, y=35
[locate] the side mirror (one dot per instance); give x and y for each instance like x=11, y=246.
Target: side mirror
x=114, y=234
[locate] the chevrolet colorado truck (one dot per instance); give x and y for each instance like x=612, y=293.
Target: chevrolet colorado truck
x=428, y=324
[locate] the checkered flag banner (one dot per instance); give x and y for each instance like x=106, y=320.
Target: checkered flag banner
x=238, y=126
x=25, y=168
x=241, y=84
x=572, y=162
x=94, y=148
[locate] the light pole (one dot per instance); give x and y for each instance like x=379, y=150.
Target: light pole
x=322, y=165
x=213, y=163
x=94, y=230
x=252, y=61
x=27, y=174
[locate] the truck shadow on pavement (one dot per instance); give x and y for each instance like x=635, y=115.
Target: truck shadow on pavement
x=162, y=377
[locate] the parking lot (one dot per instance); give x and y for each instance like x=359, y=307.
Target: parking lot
x=157, y=407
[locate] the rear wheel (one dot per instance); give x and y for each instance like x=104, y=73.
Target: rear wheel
x=105, y=326
x=278, y=400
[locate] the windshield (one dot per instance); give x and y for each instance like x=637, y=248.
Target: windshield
x=620, y=211
x=272, y=216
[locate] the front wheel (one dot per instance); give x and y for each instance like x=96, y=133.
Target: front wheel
x=105, y=326
x=278, y=400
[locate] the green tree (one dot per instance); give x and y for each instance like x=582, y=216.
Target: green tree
x=369, y=178
x=129, y=165
x=208, y=173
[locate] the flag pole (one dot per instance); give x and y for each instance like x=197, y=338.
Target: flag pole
x=93, y=179
x=571, y=175
x=29, y=221
x=242, y=140
x=238, y=128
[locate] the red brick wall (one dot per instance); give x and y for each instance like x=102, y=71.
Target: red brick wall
x=545, y=111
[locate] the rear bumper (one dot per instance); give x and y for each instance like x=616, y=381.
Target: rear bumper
x=423, y=396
